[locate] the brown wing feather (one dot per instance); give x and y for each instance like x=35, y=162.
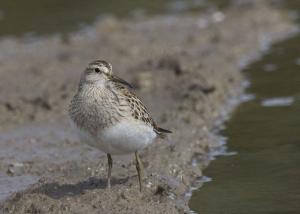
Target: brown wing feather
x=139, y=111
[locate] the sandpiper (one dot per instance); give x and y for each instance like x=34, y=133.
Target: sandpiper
x=110, y=117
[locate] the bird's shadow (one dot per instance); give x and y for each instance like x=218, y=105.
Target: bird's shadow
x=57, y=191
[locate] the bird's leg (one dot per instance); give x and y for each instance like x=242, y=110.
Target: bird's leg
x=139, y=168
x=110, y=163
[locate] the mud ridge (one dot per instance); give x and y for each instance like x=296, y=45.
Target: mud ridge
x=184, y=67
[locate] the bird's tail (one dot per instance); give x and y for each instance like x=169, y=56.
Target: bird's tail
x=162, y=132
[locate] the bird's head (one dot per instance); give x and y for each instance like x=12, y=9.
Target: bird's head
x=99, y=72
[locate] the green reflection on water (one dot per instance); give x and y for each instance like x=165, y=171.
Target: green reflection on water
x=63, y=15
x=48, y=16
x=264, y=177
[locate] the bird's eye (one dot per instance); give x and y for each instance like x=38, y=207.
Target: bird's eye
x=97, y=70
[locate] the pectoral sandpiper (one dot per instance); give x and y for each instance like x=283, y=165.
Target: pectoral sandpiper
x=110, y=117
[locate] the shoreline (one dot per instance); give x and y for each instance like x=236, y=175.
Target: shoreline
x=185, y=80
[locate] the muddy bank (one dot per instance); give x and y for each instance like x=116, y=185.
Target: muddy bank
x=185, y=68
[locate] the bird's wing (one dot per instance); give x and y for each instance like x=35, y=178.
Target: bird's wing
x=139, y=111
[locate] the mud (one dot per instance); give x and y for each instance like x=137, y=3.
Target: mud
x=185, y=68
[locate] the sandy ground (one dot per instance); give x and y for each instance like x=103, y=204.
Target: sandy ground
x=185, y=67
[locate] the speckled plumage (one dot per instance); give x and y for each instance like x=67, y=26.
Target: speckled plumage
x=98, y=106
x=137, y=109
x=109, y=115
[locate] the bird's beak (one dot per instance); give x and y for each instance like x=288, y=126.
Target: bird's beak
x=119, y=80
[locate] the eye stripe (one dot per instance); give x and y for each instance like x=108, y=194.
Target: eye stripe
x=99, y=68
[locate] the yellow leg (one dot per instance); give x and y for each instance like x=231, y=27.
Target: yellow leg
x=110, y=163
x=139, y=168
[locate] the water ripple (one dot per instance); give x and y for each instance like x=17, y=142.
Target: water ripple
x=278, y=101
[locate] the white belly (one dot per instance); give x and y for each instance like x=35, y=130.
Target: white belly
x=123, y=138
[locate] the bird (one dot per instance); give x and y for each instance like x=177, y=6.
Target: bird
x=110, y=117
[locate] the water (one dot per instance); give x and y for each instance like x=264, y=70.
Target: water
x=35, y=149
x=9, y=185
x=56, y=16
x=264, y=175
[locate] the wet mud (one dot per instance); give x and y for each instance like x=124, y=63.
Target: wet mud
x=186, y=68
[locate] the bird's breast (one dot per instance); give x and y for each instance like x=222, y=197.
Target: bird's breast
x=94, y=111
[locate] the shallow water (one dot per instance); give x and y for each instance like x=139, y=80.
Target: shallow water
x=10, y=185
x=34, y=148
x=56, y=16
x=264, y=175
